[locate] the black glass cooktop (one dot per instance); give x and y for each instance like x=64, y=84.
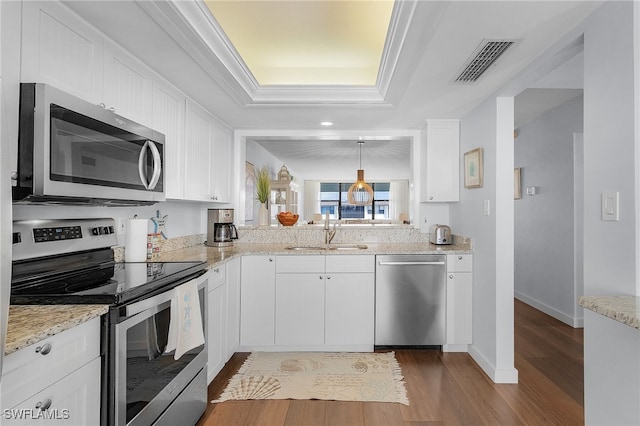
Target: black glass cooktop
x=108, y=283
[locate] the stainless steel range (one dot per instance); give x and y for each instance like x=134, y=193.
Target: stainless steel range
x=71, y=262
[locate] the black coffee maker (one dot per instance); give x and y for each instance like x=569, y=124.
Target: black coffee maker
x=220, y=228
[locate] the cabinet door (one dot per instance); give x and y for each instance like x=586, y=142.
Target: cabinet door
x=197, y=153
x=299, y=309
x=216, y=336
x=168, y=119
x=61, y=49
x=459, y=308
x=257, y=300
x=233, y=306
x=442, y=162
x=222, y=161
x=73, y=400
x=349, y=314
x=127, y=85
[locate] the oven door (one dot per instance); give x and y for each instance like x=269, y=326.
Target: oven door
x=149, y=383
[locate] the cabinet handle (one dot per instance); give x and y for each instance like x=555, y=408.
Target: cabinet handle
x=44, y=349
x=459, y=257
x=214, y=197
x=43, y=405
x=450, y=277
x=14, y=175
x=217, y=270
x=431, y=197
x=328, y=277
x=112, y=109
x=320, y=277
x=101, y=104
x=270, y=259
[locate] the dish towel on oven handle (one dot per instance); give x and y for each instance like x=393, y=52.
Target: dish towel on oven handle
x=185, y=326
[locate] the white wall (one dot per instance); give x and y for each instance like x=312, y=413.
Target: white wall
x=544, y=223
x=610, y=254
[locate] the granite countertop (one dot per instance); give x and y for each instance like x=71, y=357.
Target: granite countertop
x=624, y=309
x=215, y=255
x=29, y=324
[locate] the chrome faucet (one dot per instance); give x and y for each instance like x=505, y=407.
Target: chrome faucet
x=329, y=234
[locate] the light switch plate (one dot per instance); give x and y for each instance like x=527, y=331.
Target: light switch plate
x=610, y=204
x=487, y=208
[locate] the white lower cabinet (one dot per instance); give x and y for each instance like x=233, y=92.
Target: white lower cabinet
x=257, y=301
x=216, y=322
x=72, y=400
x=315, y=302
x=459, y=317
x=55, y=381
x=233, y=306
x=350, y=301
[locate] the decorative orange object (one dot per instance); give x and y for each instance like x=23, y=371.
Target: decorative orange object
x=287, y=218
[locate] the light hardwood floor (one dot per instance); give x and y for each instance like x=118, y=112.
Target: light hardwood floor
x=444, y=388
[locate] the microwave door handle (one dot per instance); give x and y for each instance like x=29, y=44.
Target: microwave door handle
x=157, y=165
x=142, y=158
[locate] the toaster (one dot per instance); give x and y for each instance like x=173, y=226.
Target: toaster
x=440, y=234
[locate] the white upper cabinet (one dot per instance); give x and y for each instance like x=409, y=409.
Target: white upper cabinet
x=222, y=161
x=441, y=162
x=168, y=118
x=198, y=153
x=207, y=157
x=61, y=49
x=128, y=85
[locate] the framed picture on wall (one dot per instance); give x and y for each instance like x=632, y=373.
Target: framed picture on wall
x=473, y=174
x=517, y=184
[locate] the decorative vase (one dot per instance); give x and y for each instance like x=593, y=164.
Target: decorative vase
x=263, y=215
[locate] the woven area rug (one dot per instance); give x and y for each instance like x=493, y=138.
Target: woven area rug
x=318, y=375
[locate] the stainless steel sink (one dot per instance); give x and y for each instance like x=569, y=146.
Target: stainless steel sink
x=301, y=248
x=329, y=247
x=348, y=247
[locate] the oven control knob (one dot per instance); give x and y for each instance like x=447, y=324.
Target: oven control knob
x=95, y=231
x=106, y=230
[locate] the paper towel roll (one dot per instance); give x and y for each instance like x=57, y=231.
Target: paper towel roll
x=135, y=246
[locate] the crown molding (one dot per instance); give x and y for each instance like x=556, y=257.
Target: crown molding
x=192, y=26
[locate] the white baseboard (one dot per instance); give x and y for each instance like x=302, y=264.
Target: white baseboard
x=455, y=348
x=560, y=316
x=509, y=375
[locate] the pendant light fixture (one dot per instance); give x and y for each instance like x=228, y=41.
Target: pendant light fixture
x=360, y=194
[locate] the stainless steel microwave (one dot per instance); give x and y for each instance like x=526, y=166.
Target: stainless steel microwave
x=71, y=151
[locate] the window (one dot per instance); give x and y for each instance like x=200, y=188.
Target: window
x=333, y=199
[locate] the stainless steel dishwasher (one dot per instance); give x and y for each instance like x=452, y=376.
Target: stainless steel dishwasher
x=410, y=300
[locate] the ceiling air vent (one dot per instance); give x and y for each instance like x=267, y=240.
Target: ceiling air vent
x=485, y=55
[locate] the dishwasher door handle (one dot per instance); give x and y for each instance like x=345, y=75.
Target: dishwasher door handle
x=383, y=263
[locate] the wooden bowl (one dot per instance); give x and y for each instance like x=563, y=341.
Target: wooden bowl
x=287, y=220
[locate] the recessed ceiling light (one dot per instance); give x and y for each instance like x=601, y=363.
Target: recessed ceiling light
x=326, y=123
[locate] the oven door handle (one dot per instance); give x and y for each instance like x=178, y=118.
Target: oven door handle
x=159, y=299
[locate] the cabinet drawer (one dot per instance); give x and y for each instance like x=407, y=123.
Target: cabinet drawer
x=300, y=264
x=73, y=400
x=350, y=263
x=459, y=263
x=29, y=370
x=216, y=276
